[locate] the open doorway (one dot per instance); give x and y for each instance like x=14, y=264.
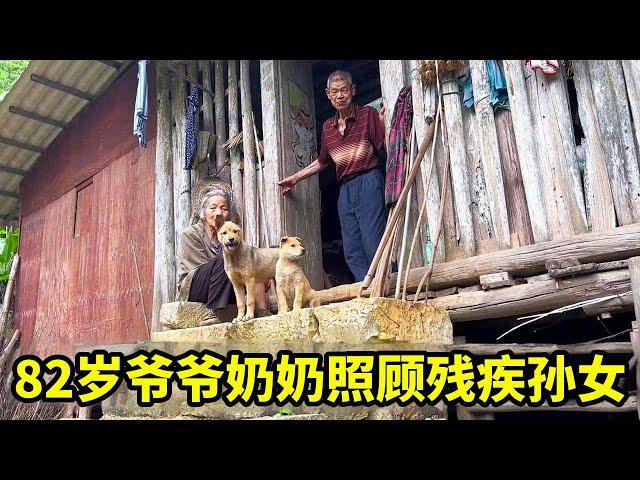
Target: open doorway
x=366, y=77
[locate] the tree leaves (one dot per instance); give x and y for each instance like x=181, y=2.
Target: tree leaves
x=10, y=70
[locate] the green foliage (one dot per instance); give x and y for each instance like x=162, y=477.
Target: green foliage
x=9, y=241
x=10, y=70
x=284, y=411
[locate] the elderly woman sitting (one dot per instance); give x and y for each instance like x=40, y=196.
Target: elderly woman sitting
x=201, y=275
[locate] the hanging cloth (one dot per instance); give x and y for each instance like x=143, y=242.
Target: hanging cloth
x=397, y=148
x=548, y=67
x=140, y=111
x=191, y=141
x=497, y=85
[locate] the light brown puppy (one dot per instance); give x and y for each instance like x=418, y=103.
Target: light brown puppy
x=245, y=266
x=291, y=283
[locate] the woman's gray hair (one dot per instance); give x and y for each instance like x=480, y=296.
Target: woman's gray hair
x=214, y=193
x=339, y=75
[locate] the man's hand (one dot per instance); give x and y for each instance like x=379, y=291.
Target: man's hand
x=288, y=183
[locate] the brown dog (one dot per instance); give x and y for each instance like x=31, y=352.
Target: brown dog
x=291, y=283
x=245, y=266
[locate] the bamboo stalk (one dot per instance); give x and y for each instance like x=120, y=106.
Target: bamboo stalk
x=8, y=351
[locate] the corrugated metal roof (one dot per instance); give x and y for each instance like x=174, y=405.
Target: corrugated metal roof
x=34, y=112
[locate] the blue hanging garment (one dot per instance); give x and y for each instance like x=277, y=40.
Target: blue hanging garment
x=497, y=84
x=140, y=111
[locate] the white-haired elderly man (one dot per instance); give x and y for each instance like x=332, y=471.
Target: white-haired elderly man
x=354, y=139
x=201, y=275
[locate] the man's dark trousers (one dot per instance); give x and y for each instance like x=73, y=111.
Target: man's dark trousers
x=363, y=217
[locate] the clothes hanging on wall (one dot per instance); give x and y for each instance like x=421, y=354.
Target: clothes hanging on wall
x=140, y=111
x=191, y=141
x=497, y=84
x=548, y=67
x=398, y=145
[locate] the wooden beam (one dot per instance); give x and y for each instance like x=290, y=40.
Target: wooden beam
x=15, y=171
x=164, y=264
x=21, y=145
x=525, y=348
x=496, y=280
x=529, y=260
x=533, y=298
x=36, y=117
x=111, y=63
x=634, y=272
x=6, y=193
x=60, y=87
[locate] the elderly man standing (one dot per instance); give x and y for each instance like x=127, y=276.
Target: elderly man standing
x=354, y=139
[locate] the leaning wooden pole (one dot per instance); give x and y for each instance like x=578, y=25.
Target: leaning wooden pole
x=399, y=204
x=164, y=265
x=234, y=128
x=249, y=189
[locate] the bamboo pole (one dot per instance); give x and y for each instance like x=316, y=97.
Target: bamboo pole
x=234, y=128
x=263, y=219
x=208, y=121
x=8, y=351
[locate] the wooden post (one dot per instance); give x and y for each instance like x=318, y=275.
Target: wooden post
x=181, y=177
x=4, y=313
x=518, y=212
x=164, y=266
x=609, y=93
x=250, y=190
x=222, y=158
x=234, y=128
x=634, y=274
x=208, y=122
x=480, y=211
x=553, y=131
x=597, y=185
x=392, y=79
x=449, y=236
x=458, y=159
x=490, y=152
x=527, y=149
x=631, y=70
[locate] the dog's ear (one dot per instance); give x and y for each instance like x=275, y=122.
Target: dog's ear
x=283, y=239
x=299, y=239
